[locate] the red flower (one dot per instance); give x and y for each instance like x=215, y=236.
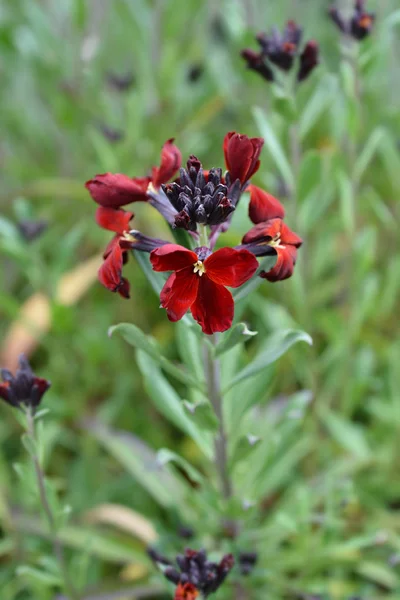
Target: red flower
x=171, y=160
x=242, y=156
x=114, y=190
x=263, y=206
x=276, y=234
x=110, y=273
x=198, y=283
x=186, y=591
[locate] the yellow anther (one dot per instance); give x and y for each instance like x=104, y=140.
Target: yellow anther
x=276, y=241
x=128, y=237
x=199, y=268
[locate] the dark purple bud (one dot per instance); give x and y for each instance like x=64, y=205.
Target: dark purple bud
x=24, y=388
x=308, y=60
x=256, y=62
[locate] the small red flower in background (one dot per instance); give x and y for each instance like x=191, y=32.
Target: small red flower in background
x=24, y=388
x=110, y=273
x=242, y=156
x=186, y=591
x=199, y=280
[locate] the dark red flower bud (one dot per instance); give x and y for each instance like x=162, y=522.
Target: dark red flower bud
x=23, y=388
x=242, y=156
x=308, y=60
x=255, y=62
x=359, y=25
x=114, y=189
x=171, y=160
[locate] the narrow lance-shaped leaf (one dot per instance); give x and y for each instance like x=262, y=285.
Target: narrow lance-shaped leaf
x=164, y=456
x=237, y=335
x=135, y=337
x=276, y=345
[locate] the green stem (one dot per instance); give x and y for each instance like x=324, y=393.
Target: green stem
x=40, y=478
x=213, y=376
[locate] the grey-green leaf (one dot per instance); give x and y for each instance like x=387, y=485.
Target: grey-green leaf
x=276, y=345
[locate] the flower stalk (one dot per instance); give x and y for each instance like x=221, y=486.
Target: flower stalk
x=51, y=521
x=213, y=377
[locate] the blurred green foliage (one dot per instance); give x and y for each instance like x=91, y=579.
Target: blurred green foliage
x=328, y=417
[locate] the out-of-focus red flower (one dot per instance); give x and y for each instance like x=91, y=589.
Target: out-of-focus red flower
x=110, y=273
x=24, y=388
x=186, y=591
x=114, y=189
x=242, y=156
x=199, y=280
x=275, y=234
x=263, y=206
x=171, y=160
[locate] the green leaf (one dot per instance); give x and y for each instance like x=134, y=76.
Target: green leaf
x=202, y=415
x=156, y=279
x=276, y=345
x=135, y=337
x=322, y=98
x=244, y=448
x=169, y=403
x=139, y=460
x=164, y=456
x=309, y=174
x=29, y=444
x=237, y=335
x=252, y=284
x=38, y=576
x=370, y=149
x=348, y=435
x=274, y=146
x=346, y=202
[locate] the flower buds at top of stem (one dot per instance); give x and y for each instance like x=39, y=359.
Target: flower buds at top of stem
x=23, y=388
x=359, y=25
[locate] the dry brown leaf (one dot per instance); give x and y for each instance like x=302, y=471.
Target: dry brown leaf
x=125, y=519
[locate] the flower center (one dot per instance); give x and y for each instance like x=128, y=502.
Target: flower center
x=128, y=236
x=276, y=241
x=199, y=268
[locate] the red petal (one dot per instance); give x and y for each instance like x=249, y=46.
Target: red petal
x=263, y=206
x=289, y=237
x=113, y=219
x=110, y=273
x=171, y=160
x=115, y=190
x=213, y=308
x=228, y=266
x=172, y=257
x=179, y=293
x=242, y=155
x=284, y=265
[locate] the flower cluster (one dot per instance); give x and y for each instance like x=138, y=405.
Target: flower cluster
x=282, y=50
x=202, y=202
x=194, y=573
x=23, y=388
x=359, y=25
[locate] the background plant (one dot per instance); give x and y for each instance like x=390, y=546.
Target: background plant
x=329, y=476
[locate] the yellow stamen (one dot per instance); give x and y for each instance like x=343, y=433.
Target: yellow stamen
x=199, y=268
x=128, y=237
x=276, y=241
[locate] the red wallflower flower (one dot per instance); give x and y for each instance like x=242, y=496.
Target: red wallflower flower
x=24, y=388
x=110, y=273
x=186, y=591
x=199, y=280
x=114, y=189
x=277, y=235
x=242, y=155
